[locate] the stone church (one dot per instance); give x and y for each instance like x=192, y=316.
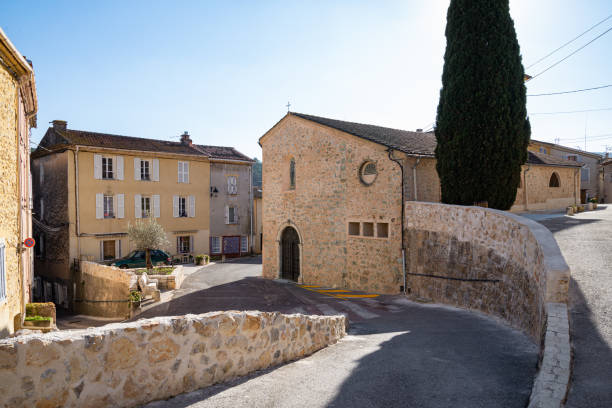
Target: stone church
x=333, y=202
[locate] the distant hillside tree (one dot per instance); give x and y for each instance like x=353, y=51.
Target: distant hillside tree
x=146, y=235
x=482, y=127
x=256, y=172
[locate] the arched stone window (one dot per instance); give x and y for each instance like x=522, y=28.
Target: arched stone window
x=554, y=180
x=292, y=174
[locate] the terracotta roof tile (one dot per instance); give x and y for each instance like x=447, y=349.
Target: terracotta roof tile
x=421, y=143
x=85, y=138
x=223, y=152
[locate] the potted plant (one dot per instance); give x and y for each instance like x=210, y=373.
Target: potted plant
x=594, y=200
x=135, y=299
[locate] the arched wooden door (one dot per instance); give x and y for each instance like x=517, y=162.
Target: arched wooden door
x=290, y=254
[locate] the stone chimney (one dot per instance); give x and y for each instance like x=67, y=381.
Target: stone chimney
x=419, y=130
x=185, y=139
x=59, y=124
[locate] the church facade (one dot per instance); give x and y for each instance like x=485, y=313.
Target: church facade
x=332, y=212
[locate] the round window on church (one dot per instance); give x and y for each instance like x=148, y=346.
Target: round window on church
x=368, y=172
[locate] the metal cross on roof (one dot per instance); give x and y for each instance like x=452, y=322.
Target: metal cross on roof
x=288, y=106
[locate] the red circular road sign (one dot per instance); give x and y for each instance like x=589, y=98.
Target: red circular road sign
x=29, y=242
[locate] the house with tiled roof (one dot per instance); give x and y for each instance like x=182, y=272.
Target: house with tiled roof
x=589, y=162
x=231, y=201
x=89, y=186
x=334, y=193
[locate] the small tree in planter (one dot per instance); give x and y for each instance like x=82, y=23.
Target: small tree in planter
x=146, y=235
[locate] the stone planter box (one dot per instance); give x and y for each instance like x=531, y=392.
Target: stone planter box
x=172, y=281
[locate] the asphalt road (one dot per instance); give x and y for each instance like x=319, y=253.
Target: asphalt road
x=397, y=353
x=586, y=243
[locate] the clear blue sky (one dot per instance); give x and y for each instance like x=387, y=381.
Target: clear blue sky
x=224, y=71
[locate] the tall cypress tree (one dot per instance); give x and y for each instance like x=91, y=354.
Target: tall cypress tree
x=482, y=127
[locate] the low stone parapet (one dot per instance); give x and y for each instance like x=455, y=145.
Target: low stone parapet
x=484, y=259
x=128, y=364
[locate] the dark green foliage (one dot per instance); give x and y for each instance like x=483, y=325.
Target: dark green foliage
x=256, y=172
x=482, y=127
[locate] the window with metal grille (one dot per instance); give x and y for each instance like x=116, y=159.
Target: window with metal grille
x=215, y=245
x=107, y=168
x=368, y=173
x=244, y=244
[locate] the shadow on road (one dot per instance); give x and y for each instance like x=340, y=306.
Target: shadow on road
x=591, y=380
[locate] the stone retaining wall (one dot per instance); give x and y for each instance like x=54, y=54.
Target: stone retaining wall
x=484, y=259
x=102, y=290
x=127, y=364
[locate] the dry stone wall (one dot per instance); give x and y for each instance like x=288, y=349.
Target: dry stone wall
x=487, y=260
x=127, y=364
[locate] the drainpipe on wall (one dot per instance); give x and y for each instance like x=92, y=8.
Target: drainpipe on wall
x=390, y=152
x=414, y=177
x=525, y=185
x=77, y=219
x=251, y=207
x=576, y=184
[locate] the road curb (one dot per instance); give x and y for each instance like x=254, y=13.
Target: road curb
x=551, y=384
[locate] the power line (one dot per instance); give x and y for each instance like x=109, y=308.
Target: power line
x=563, y=59
x=569, y=42
x=568, y=92
x=596, y=137
x=564, y=112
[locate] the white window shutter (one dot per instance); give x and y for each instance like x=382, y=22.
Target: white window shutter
x=192, y=206
x=227, y=214
x=186, y=171
x=178, y=245
x=191, y=243
x=175, y=206
x=119, y=161
x=137, y=205
x=155, y=169
x=156, y=209
x=180, y=171
x=136, y=168
x=117, y=248
x=97, y=166
x=101, y=250
x=120, y=205
x=235, y=185
x=229, y=185
x=99, y=206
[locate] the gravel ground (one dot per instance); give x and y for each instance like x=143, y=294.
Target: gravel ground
x=586, y=242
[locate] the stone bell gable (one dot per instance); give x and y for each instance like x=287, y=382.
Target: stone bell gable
x=342, y=196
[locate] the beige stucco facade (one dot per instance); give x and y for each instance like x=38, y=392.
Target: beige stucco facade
x=590, y=174
x=17, y=115
x=328, y=195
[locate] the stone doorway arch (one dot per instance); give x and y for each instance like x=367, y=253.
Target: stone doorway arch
x=290, y=254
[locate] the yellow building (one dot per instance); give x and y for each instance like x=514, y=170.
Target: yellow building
x=89, y=186
x=17, y=115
